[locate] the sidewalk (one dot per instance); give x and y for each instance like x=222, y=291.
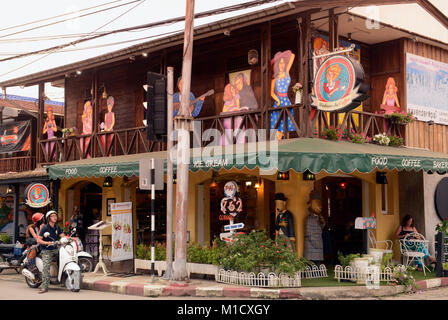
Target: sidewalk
x=141, y=285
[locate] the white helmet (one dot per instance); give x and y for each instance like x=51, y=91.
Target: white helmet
x=49, y=213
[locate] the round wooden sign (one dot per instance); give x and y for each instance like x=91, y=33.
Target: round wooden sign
x=441, y=199
x=37, y=195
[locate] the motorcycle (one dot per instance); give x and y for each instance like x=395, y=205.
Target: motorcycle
x=85, y=259
x=66, y=271
x=11, y=256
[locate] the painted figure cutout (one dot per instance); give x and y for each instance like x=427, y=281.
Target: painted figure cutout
x=109, y=123
x=281, y=64
x=390, y=102
x=320, y=47
x=238, y=96
x=50, y=128
x=87, y=125
x=195, y=104
x=231, y=99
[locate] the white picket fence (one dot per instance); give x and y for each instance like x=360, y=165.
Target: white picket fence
x=271, y=280
x=361, y=275
x=314, y=272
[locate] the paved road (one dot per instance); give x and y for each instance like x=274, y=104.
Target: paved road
x=13, y=287
x=428, y=294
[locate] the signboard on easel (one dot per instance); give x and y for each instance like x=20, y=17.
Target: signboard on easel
x=122, y=230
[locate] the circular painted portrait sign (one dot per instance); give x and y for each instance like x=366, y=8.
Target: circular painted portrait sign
x=230, y=189
x=37, y=195
x=441, y=199
x=338, y=85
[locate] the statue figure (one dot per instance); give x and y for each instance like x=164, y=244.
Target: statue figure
x=284, y=222
x=313, y=229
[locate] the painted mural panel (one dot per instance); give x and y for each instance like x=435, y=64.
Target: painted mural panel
x=427, y=88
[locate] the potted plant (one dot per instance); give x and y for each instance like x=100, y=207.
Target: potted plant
x=332, y=133
x=67, y=132
x=358, y=137
x=395, y=141
x=297, y=88
x=402, y=117
x=381, y=139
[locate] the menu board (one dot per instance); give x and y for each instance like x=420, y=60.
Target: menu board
x=122, y=239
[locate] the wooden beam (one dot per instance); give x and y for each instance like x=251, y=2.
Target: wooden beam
x=434, y=11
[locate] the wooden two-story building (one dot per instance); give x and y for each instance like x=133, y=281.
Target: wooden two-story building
x=242, y=58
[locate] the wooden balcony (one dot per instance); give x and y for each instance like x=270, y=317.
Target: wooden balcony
x=134, y=141
x=101, y=144
x=17, y=164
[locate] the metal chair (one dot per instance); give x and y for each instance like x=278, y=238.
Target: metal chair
x=385, y=245
x=412, y=247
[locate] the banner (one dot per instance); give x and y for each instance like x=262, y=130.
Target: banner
x=427, y=89
x=122, y=238
x=15, y=136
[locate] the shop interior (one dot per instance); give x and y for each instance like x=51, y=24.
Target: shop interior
x=341, y=205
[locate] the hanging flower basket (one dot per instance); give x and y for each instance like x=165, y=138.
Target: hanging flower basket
x=402, y=118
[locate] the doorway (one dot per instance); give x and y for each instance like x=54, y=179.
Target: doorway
x=91, y=202
x=341, y=204
x=247, y=192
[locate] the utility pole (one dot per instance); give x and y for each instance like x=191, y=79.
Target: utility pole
x=169, y=177
x=183, y=123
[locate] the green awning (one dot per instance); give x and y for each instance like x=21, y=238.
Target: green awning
x=299, y=154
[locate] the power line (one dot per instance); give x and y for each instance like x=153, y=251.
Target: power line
x=58, y=16
x=40, y=58
x=228, y=9
x=65, y=20
x=102, y=45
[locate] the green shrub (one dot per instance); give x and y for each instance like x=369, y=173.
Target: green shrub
x=255, y=251
x=345, y=260
x=5, y=238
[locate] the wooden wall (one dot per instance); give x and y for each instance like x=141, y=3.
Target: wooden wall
x=388, y=59
x=420, y=134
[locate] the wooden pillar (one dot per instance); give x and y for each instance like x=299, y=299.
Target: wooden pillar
x=333, y=45
x=334, y=32
x=95, y=114
x=304, y=71
x=16, y=213
x=40, y=119
x=265, y=73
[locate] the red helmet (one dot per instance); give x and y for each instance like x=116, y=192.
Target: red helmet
x=37, y=217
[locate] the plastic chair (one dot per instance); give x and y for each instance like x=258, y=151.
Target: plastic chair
x=412, y=247
x=386, y=245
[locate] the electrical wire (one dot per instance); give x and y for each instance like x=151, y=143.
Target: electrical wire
x=106, y=44
x=58, y=16
x=65, y=20
x=228, y=9
x=51, y=52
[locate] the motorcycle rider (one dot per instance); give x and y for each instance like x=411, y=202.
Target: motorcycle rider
x=49, y=250
x=32, y=233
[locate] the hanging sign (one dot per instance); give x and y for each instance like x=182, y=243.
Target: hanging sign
x=122, y=239
x=339, y=84
x=231, y=204
x=15, y=136
x=37, y=195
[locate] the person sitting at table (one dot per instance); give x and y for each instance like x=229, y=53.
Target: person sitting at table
x=407, y=227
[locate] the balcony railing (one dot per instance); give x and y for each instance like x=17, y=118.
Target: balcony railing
x=101, y=144
x=304, y=121
x=17, y=164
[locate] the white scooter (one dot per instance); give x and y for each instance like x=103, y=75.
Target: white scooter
x=67, y=270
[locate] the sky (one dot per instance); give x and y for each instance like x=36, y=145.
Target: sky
x=129, y=13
